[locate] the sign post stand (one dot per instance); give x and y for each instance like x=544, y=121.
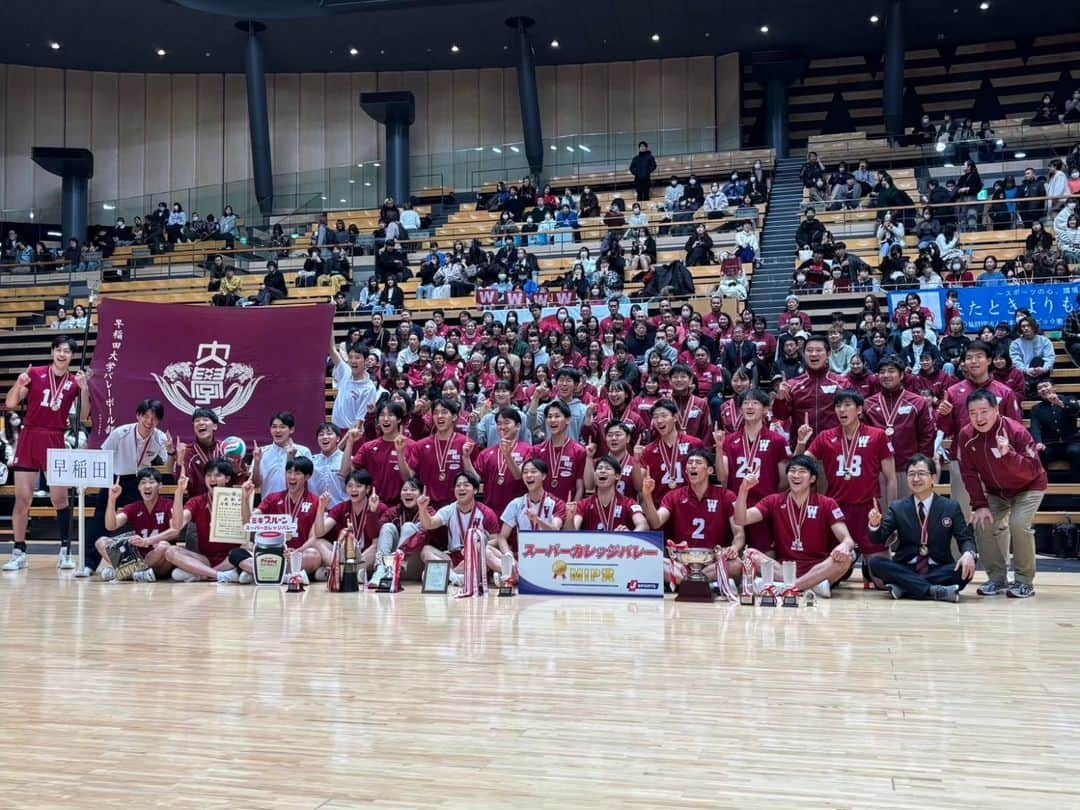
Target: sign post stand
x=79, y=572
x=80, y=469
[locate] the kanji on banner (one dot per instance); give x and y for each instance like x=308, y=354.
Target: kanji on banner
x=244, y=364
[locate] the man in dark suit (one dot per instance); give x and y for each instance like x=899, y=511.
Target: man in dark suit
x=922, y=565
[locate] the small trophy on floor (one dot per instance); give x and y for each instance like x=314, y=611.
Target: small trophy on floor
x=768, y=589
x=506, y=575
x=746, y=593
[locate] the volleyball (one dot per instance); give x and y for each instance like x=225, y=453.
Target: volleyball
x=233, y=447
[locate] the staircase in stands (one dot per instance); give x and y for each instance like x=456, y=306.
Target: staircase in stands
x=777, y=242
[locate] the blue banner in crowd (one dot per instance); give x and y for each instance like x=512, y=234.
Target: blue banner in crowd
x=988, y=306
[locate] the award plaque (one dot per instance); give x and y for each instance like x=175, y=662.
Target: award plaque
x=768, y=596
x=696, y=587
x=790, y=597
x=436, y=577
x=226, y=518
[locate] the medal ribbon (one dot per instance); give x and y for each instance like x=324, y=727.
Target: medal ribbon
x=56, y=389
x=796, y=517
x=848, y=448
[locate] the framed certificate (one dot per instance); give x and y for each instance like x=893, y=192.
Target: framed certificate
x=436, y=577
x=226, y=516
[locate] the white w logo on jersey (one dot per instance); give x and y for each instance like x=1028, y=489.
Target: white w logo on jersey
x=864, y=441
x=711, y=504
x=811, y=512
x=305, y=507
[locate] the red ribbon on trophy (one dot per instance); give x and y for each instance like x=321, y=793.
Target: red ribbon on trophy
x=727, y=587
x=333, y=579
x=475, y=569
x=395, y=571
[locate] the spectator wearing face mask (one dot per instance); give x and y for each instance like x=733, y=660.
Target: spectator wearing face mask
x=673, y=194
x=734, y=189
x=716, y=202
x=694, y=197
x=642, y=167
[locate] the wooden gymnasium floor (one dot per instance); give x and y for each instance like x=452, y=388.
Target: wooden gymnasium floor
x=207, y=696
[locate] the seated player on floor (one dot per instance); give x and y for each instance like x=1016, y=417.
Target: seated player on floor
x=699, y=514
x=296, y=501
x=463, y=515
x=808, y=528
x=211, y=559
x=362, y=513
x=149, y=522
x=536, y=510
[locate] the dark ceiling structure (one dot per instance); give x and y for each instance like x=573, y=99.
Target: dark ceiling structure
x=198, y=36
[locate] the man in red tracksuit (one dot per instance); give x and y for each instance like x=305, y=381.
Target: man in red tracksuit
x=810, y=397
x=1006, y=482
x=952, y=413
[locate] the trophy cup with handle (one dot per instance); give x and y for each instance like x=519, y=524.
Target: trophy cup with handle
x=696, y=587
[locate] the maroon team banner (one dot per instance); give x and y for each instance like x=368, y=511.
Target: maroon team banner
x=245, y=364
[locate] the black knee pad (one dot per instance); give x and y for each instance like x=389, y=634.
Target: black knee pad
x=237, y=556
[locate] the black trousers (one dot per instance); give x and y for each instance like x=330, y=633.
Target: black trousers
x=643, y=185
x=910, y=581
x=95, y=527
x=1060, y=451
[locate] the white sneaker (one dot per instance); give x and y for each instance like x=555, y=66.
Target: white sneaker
x=322, y=573
x=17, y=562
x=108, y=574
x=65, y=562
x=84, y=572
x=180, y=575
x=378, y=576
x=230, y=576
x=246, y=578
x=823, y=589
x=456, y=579
x=144, y=576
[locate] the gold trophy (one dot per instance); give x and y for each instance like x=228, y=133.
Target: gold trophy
x=696, y=587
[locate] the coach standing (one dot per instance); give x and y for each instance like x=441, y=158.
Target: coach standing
x=642, y=167
x=1006, y=482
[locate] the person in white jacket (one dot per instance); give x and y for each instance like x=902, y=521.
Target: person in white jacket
x=889, y=232
x=948, y=243
x=1067, y=232
x=1032, y=353
x=715, y=202
x=746, y=242
x=673, y=194
x=1057, y=186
